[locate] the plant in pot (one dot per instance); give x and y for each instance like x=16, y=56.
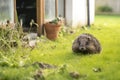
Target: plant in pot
x=53, y=28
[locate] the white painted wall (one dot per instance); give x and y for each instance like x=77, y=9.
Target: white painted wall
x=76, y=12
x=79, y=12
x=68, y=12
x=6, y=10
x=12, y=10
x=61, y=8
x=92, y=11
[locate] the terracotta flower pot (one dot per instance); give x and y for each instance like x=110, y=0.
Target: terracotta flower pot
x=52, y=30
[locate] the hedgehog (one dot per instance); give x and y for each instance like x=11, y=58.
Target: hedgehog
x=86, y=43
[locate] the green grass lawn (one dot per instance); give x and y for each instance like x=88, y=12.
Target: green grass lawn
x=17, y=64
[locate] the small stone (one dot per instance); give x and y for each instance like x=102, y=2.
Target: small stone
x=75, y=75
x=39, y=75
x=45, y=65
x=97, y=69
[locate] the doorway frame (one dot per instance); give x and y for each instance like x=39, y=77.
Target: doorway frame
x=40, y=8
x=39, y=14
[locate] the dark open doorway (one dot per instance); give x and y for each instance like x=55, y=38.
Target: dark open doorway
x=26, y=11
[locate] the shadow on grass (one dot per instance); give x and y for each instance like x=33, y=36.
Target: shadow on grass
x=84, y=54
